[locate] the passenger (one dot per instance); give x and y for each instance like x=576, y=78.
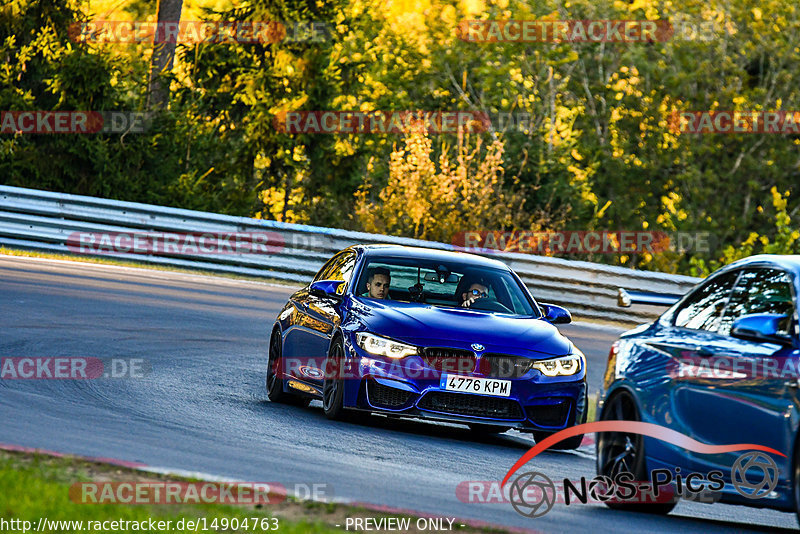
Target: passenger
x=378, y=283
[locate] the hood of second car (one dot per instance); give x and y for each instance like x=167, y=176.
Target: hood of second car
x=425, y=325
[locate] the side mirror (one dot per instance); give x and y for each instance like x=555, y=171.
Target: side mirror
x=327, y=288
x=556, y=314
x=765, y=327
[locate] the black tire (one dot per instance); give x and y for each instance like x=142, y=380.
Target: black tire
x=620, y=452
x=563, y=445
x=483, y=428
x=796, y=481
x=273, y=383
x=333, y=384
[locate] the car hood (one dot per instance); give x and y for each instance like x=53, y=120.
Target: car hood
x=425, y=325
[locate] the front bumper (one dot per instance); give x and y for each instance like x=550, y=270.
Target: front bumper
x=411, y=388
x=551, y=409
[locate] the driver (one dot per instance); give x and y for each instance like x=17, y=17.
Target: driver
x=378, y=283
x=476, y=290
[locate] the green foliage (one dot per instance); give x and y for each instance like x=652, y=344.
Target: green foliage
x=44, y=70
x=786, y=240
x=598, y=149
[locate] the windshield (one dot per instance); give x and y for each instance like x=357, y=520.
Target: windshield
x=443, y=285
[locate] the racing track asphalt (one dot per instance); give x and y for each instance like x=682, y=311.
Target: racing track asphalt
x=204, y=409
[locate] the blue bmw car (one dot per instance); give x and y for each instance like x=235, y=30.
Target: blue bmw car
x=721, y=366
x=429, y=334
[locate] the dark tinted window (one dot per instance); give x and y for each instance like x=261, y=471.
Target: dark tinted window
x=703, y=310
x=759, y=291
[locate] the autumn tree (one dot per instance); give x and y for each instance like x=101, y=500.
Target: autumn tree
x=436, y=198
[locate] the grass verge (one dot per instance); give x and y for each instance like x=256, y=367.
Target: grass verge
x=36, y=486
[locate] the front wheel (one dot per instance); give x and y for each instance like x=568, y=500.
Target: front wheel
x=274, y=383
x=333, y=384
x=797, y=482
x=618, y=452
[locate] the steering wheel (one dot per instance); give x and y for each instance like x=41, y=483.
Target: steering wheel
x=489, y=305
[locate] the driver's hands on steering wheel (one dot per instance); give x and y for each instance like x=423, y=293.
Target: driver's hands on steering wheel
x=467, y=303
x=474, y=295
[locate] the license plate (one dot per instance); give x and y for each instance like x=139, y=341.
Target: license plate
x=469, y=384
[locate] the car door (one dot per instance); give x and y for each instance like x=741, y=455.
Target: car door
x=681, y=335
x=316, y=318
x=743, y=390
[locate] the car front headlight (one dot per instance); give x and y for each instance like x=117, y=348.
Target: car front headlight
x=380, y=346
x=563, y=366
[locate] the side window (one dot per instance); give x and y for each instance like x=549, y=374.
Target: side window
x=760, y=291
x=703, y=310
x=325, y=268
x=340, y=267
x=343, y=270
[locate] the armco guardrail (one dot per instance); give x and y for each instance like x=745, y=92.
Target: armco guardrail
x=44, y=221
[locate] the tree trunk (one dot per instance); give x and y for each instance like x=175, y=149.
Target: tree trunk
x=164, y=41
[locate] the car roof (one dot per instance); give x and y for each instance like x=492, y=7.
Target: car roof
x=787, y=262
x=430, y=254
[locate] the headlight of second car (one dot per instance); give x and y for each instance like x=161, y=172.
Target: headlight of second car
x=380, y=346
x=563, y=366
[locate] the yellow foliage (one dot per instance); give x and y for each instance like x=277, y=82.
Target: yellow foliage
x=435, y=200
x=472, y=8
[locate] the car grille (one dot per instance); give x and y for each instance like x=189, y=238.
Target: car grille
x=386, y=396
x=475, y=405
x=504, y=365
x=446, y=360
x=550, y=414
